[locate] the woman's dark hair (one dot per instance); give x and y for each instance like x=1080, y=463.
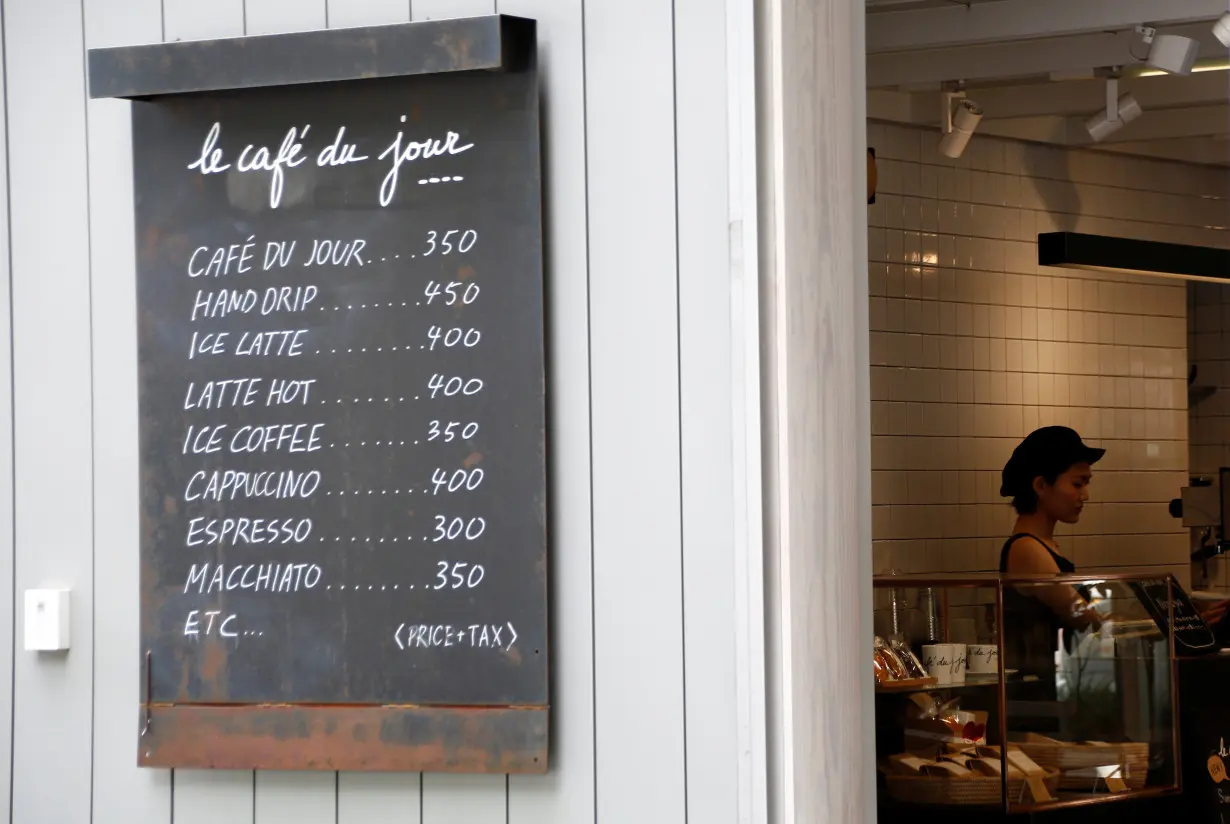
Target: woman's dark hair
x=1025, y=502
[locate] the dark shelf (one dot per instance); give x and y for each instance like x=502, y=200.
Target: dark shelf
x=968, y=685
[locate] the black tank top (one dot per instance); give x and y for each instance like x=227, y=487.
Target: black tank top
x=1066, y=567
x=1031, y=628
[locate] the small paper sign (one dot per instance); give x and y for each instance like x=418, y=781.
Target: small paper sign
x=1217, y=769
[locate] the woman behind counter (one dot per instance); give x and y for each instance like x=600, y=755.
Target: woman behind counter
x=1048, y=479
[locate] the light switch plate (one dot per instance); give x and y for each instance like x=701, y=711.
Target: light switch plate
x=46, y=620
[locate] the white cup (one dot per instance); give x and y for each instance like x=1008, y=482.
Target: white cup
x=957, y=670
x=983, y=659
x=938, y=659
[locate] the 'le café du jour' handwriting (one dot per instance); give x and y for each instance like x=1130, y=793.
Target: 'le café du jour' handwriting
x=253, y=158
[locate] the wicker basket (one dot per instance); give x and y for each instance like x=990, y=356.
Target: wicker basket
x=979, y=790
x=1067, y=758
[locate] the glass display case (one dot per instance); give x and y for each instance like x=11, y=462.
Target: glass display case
x=1022, y=693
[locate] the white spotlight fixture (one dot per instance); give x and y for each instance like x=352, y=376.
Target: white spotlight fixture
x=957, y=128
x=1119, y=112
x=1221, y=29
x=1170, y=52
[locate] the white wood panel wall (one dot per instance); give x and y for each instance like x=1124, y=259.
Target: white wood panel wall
x=53, y=529
x=6, y=456
x=817, y=407
x=125, y=792
x=706, y=357
x=636, y=177
x=633, y=273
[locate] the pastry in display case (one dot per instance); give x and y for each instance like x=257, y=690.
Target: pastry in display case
x=989, y=697
x=896, y=666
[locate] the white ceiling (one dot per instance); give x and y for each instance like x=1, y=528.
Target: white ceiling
x=1035, y=68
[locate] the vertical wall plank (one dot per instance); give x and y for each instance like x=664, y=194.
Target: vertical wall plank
x=706, y=397
x=464, y=799
x=566, y=794
x=194, y=20
x=345, y=13
x=629, y=56
x=52, y=391
x=441, y=9
x=748, y=441
x=461, y=799
x=6, y=469
x=295, y=797
x=391, y=798
x=208, y=796
x=273, y=16
x=123, y=792
x=213, y=796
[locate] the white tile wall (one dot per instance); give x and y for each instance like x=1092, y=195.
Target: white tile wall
x=973, y=346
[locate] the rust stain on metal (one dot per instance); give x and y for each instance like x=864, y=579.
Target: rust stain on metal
x=213, y=667
x=465, y=272
x=458, y=49
x=388, y=738
x=472, y=460
x=149, y=241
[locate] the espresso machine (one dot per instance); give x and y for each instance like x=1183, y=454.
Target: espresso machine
x=1202, y=506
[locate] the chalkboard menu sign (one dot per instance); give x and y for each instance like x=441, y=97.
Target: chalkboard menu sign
x=342, y=422
x=1204, y=732
x=1192, y=636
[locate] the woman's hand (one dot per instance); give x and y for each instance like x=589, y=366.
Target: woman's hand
x=1213, y=611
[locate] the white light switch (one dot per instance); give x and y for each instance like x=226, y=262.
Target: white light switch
x=46, y=625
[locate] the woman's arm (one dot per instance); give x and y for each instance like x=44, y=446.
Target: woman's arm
x=1029, y=557
x=1212, y=613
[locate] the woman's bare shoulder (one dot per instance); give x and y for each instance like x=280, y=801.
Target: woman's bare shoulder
x=1027, y=554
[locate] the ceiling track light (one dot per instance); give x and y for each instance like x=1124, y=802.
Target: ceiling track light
x=1170, y=53
x=1119, y=112
x=958, y=127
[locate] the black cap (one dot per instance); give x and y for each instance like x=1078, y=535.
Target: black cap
x=1048, y=452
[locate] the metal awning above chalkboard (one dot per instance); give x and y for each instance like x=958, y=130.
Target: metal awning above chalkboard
x=495, y=42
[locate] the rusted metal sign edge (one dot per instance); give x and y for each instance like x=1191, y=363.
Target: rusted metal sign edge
x=497, y=42
x=367, y=738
